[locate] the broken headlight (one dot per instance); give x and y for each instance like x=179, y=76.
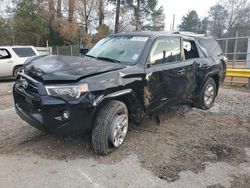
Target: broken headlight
x=67, y=91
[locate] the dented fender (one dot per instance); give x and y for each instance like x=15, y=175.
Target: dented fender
x=116, y=94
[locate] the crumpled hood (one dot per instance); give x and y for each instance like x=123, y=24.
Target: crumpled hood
x=67, y=68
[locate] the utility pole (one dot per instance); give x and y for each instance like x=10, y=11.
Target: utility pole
x=173, y=22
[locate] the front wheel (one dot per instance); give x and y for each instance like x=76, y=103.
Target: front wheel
x=206, y=98
x=17, y=70
x=110, y=127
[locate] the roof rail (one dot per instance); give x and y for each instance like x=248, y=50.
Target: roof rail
x=187, y=33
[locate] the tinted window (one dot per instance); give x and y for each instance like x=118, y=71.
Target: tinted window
x=190, y=50
x=24, y=52
x=126, y=49
x=4, y=54
x=165, y=50
x=211, y=45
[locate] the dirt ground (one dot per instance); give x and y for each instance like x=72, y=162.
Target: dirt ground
x=177, y=147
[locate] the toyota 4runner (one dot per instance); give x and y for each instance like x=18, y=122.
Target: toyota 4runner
x=120, y=79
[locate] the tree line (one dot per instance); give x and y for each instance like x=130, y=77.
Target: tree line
x=64, y=22
x=224, y=19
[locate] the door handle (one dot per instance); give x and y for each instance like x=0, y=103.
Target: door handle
x=181, y=71
x=10, y=61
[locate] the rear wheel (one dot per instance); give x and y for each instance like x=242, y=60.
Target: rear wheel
x=110, y=127
x=207, y=95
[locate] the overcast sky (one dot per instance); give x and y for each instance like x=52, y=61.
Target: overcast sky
x=181, y=7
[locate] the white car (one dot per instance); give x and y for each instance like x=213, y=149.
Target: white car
x=12, y=59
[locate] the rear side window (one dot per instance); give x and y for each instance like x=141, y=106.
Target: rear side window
x=190, y=50
x=211, y=45
x=165, y=50
x=4, y=54
x=24, y=52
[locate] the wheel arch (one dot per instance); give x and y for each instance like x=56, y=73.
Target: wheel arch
x=215, y=76
x=126, y=96
x=16, y=67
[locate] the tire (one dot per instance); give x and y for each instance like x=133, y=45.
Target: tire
x=17, y=70
x=207, y=95
x=110, y=127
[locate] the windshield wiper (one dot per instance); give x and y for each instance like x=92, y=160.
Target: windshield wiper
x=108, y=59
x=90, y=56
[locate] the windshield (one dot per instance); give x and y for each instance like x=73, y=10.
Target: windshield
x=123, y=49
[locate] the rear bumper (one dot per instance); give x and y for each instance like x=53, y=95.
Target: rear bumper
x=45, y=112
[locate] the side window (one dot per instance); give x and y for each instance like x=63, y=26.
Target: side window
x=24, y=52
x=165, y=50
x=190, y=50
x=4, y=54
x=211, y=45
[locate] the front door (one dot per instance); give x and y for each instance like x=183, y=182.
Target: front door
x=166, y=75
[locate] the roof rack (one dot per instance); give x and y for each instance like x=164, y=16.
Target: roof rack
x=187, y=33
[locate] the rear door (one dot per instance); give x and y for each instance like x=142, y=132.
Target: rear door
x=166, y=75
x=6, y=63
x=192, y=60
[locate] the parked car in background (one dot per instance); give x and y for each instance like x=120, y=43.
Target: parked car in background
x=122, y=78
x=12, y=59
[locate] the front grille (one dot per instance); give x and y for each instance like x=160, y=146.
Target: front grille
x=33, y=75
x=26, y=94
x=32, y=88
x=28, y=84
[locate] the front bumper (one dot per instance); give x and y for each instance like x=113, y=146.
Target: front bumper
x=45, y=112
x=30, y=118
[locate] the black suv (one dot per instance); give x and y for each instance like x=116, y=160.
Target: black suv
x=123, y=77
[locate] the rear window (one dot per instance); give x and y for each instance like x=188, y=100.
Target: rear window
x=24, y=52
x=211, y=45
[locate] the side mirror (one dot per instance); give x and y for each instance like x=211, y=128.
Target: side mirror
x=83, y=51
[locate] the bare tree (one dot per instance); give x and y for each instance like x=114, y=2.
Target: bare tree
x=234, y=8
x=126, y=18
x=85, y=9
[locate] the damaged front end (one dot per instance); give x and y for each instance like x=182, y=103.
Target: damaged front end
x=71, y=107
x=47, y=111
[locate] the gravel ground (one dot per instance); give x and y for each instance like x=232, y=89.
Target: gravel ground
x=177, y=147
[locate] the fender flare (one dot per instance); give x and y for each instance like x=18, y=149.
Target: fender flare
x=103, y=98
x=133, y=103
x=210, y=74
